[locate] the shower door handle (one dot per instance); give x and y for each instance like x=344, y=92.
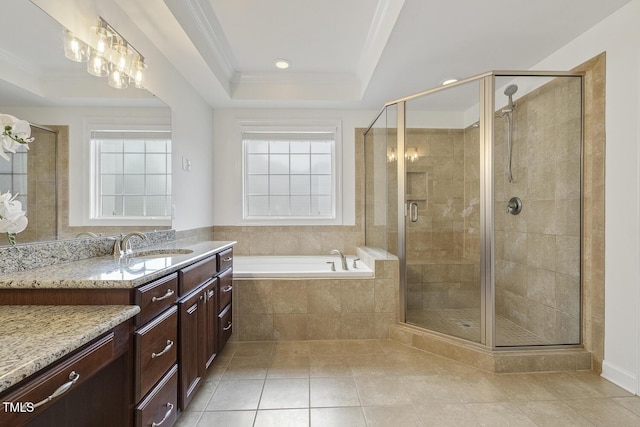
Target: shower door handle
x=413, y=211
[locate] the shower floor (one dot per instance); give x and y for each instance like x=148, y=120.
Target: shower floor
x=465, y=323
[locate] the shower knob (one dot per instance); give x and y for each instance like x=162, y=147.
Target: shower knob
x=514, y=206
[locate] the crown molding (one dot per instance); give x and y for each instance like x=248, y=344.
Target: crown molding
x=199, y=21
x=384, y=19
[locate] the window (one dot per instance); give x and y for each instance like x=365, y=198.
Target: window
x=132, y=176
x=13, y=175
x=290, y=176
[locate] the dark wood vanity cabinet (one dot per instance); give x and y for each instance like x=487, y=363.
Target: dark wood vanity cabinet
x=88, y=387
x=198, y=327
x=156, y=353
x=204, y=318
x=184, y=322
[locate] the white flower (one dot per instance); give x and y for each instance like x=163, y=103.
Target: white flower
x=15, y=132
x=12, y=217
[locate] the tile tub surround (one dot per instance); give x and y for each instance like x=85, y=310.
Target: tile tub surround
x=33, y=337
x=35, y=255
x=317, y=309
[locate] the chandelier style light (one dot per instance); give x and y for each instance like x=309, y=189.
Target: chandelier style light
x=107, y=54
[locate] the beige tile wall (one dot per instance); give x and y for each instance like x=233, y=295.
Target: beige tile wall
x=41, y=188
x=538, y=251
x=593, y=205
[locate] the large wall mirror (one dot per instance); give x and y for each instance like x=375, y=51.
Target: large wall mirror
x=70, y=110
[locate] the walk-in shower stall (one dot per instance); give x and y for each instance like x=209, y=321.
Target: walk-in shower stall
x=476, y=187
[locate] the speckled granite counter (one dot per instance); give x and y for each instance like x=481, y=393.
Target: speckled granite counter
x=109, y=272
x=33, y=337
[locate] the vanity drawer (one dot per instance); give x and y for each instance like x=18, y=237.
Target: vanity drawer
x=71, y=373
x=161, y=405
x=225, y=286
x=156, y=297
x=156, y=350
x=194, y=275
x=225, y=259
x=225, y=327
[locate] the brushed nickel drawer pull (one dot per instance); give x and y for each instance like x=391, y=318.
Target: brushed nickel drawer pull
x=227, y=259
x=167, y=348
x=73, y=377
x=226, y=328
x=170, y=406
x=227, y=289
x=165, y=296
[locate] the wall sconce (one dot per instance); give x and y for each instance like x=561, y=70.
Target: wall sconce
x=391, y=155
x=411, y=154
x=108, y=54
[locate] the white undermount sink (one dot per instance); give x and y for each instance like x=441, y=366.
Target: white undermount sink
x=160, y=253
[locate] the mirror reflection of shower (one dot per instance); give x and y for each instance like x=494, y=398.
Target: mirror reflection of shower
x=507, y=112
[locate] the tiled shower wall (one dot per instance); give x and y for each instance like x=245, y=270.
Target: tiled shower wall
x=537, y=252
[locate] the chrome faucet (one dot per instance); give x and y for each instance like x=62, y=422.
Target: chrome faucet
x=122, y=246
x=342, y=258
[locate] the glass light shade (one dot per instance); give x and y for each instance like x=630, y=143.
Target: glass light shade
x=98, y=66
x=118, y=79
x=137, y=72
x=120, y=57
x=74, y=48
x=100, y=39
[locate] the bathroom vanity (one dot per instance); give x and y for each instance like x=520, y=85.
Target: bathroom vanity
x=184, y=297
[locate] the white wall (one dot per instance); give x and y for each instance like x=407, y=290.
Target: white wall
x=227, y=162
x=619, y=36
x=191, y=116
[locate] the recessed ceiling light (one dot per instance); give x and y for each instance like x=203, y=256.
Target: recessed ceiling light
x=282, y=64
x=449, y=81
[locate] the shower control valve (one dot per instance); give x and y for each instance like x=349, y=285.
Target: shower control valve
x=514, y=206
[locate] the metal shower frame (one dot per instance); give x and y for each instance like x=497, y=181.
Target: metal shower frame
x=487, y=245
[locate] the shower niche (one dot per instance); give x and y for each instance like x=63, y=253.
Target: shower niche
x=461, y=161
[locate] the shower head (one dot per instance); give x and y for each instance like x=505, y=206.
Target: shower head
x=509, y=91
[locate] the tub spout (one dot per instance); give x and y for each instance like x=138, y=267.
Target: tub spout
x=343, y=258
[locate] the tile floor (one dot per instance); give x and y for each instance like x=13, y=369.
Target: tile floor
x=384, y=383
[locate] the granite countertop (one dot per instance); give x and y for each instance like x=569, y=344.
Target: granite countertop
x=33, y=337
x=112, y=272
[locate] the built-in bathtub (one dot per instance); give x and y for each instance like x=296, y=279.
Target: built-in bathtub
x=293, y=298
x=297, y=267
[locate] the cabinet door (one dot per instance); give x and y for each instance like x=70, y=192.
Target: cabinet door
x=210, y=339
x=191, y=321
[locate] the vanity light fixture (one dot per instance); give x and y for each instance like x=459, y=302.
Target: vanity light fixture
x=282, y=63
x=107, y=54
x=449, y=81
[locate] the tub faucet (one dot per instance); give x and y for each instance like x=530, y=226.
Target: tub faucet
x=342, y=258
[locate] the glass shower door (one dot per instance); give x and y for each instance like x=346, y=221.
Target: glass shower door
x=441, y=161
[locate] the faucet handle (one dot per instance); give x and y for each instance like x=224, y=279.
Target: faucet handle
x=355, y=260
x=333, y=265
